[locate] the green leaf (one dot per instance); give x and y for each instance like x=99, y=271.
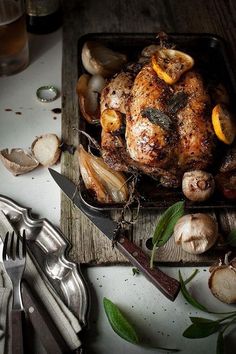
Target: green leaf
x=231, y=238
x=220, y=344
x=201, y=330
x=155, y=116
x=119, y=323
x=166, y=224
x=189, y=297
x=135, y=271
x=201, y=320
x=191, y=276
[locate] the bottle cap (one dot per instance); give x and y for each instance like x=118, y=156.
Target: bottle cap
x=47, y=93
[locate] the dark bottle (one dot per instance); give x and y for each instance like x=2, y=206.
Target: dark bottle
x=43, y=16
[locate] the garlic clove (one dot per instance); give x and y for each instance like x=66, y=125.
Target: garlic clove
x=46, y=149
x=109, y=186
x=222, y=283
x=18, y=161
x=98, y=59
x=196, y=233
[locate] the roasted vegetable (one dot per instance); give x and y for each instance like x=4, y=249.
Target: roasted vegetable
x=108, y=186
x=88, y=90
x=226, y=183
x=98, y=59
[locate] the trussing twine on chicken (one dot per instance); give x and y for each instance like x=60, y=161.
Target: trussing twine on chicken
x=92, y=142
x=127, y=217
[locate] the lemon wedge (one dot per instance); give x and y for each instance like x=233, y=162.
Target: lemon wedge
x=223, y=124
x=170, y=64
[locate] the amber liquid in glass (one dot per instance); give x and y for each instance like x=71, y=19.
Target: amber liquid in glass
x=13, y=46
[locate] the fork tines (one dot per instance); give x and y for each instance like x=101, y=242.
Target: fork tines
x=11, y=252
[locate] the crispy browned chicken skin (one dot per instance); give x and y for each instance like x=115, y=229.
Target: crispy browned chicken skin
x=164, y=152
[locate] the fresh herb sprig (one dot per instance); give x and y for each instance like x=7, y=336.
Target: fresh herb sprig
x=203, y=327
x=123, y=327
x=165, y=227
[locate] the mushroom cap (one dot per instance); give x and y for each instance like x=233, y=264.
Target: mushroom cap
x=222, y=283
x=196, y=233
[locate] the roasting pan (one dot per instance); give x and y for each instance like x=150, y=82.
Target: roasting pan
x=211, y=56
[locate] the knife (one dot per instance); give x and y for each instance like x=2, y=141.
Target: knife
x=43, y=325
x=167, y=285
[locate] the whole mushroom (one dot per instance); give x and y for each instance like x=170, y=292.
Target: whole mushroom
x=196, y=233
x=198, y=185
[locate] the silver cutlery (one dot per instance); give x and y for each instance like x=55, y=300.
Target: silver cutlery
x=14, y=257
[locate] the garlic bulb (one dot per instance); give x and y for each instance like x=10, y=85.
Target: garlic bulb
x=196, y=233
x=198, y=185
x=109, y=186
x=222, y=282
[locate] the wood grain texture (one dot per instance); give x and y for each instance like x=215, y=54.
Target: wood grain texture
x=81, y=17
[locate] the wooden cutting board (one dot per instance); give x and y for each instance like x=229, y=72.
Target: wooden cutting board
x=89, y=246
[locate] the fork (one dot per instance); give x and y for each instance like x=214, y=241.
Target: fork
x=14, y=256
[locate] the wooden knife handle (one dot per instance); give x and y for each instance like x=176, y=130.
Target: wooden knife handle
x=167, y=285
x=17, y=318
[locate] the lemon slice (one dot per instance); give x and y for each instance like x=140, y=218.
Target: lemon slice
x=223, y=124
x=111, y=120
x=170, y=64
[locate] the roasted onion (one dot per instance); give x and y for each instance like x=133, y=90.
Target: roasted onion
x=88, y=90
x=108, y=186
x=98, y=59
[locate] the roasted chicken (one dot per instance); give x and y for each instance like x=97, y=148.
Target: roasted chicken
x=167, y=129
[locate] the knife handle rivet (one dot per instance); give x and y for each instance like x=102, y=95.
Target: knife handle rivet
x=135, y=254
x=31, y=309
x=121, y=240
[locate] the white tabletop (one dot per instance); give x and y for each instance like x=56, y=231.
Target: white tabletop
x=158, y=319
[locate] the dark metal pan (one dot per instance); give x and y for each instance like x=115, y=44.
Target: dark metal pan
x=212, y=57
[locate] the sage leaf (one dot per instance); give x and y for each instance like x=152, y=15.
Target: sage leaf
x=220, y=344
x=177, y=102
x=231, y=239
x=166, y=224
x=157, y=117
x=201, y=320
x=119, y=323
x=189, y=297
x=165, y=227
x=201, y=330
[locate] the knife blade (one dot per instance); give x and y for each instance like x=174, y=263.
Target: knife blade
x=167, y=285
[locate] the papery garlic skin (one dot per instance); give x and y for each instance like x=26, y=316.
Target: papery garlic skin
x=196, y=233
x=109, y=186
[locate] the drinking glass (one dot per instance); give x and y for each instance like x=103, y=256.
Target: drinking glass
x=14, y=52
